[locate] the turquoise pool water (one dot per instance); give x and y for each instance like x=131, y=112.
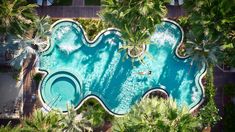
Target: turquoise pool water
x=77, y=69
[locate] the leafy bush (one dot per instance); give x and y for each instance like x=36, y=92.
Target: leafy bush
x=37, y=77
x=91, y=26
x=209, y=113
x=95, y=113
x=184, y=23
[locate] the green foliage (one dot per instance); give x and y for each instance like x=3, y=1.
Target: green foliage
x=215, y=18
x=91, y=26
x=202, y=48
x=42, y=26
x=55, y=121
x=9, y=128
x=71, y=122
x=229, y=117
x=136, y=19
x=185, y=24
x=95, y=113
x=16, y=16
x=152, y=115
x=37, y=78
x=209, y=113
x=228, y=57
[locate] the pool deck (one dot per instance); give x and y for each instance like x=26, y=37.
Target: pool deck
x=78, y=9
x=221, y=78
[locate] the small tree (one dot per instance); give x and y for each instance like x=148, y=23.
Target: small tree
x=72, y=122
x=209, y=115
x=16, y=16
x=202, y=49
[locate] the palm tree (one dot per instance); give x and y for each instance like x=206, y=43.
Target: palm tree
x=136, y=19
x=157, y=115
x=41, y=32
x=42, y=122
x=16, y=16
x=72, y=122
x=202, y=49
x=215, y=17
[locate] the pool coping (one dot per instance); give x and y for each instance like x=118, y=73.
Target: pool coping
x=117, y=32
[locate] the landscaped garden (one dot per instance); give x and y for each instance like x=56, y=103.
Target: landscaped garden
x=118, y=79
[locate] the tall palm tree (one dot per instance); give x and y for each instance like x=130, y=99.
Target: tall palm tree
x=42, y=122
x=154, y=114
x=136, y=19
x=202, y=49
x=72, y=122
x=216, y=17
x=16, y=16
x=41, y=32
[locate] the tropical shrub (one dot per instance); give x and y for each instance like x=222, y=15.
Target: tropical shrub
x=16, y=16
x=91, y=26
x=95, y=113
x=202, y=48
x=209, y=115
x=136, y=19
x=55, y=121
x=42, y=122
x=215, y=18
x=151, y=115
x=73, y=121
x=9, y=128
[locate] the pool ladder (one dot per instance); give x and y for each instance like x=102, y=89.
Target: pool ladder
x=50, y=104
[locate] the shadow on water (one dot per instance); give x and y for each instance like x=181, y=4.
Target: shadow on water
x=173, y=80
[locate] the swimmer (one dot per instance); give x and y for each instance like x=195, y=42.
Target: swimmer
x=145, y=73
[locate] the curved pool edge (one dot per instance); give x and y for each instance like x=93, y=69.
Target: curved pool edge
x=45, y=73
x=90, y=42
x=202, y=72
x=45, y=76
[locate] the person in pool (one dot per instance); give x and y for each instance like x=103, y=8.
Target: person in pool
x=145, y=73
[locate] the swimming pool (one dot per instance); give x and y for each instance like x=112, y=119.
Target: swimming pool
x=78, y=69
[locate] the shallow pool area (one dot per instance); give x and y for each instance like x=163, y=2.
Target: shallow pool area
x=77, y=69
